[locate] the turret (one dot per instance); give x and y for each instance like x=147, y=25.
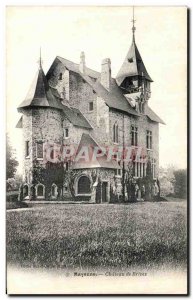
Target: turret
x=133, y=76
x=42, y=122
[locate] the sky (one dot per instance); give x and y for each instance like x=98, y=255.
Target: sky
x=101, y=32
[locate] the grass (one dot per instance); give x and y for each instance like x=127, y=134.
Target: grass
x=150, y=235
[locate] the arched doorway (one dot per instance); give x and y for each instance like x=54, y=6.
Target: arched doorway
x=83, y=185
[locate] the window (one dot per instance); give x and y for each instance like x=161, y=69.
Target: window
x=134, y=136
x=139, y=169
x=54, y=190
x=144, y=170
x=148, y=85
x=91, y=106
x=130, y=60
x=27, y=149
x=39, y=150
x=84, y=185
x=66, y=132
x=40, y=189
x=115, y=133
x=25, y=191
x=66, y=166
x=118, y=172
x=60, y=76
x=52, y=154
x=149, y=139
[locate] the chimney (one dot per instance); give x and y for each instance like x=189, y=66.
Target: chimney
x=82, y=62
x=106, y=73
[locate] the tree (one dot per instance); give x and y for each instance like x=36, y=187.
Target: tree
x=180, y=185
x=129, y=183
x=11, y=162
x=167, y=180
x=148, y=181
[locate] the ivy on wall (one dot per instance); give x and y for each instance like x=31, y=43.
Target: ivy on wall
x=47, y=175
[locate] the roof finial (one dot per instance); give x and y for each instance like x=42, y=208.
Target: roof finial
x=133, y=27
x=40, y=61
x=40, y=58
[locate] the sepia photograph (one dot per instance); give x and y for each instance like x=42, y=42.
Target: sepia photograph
x=96, y=150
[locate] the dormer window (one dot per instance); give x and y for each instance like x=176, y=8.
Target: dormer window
x=91, y=106
x=60, y=76
x=130, y=60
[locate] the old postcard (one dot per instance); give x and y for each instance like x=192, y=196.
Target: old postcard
x=96, y=150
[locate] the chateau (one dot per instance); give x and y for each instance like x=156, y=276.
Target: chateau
x=75, y=105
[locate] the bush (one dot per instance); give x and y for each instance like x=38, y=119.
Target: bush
x=12, y=196
x=15, y=204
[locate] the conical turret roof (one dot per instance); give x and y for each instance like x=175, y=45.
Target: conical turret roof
x=132, y=66
x=39, y=94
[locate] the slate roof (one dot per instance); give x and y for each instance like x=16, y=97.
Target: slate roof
x=71, y=66
x=152, y=116
x=55, y=92
x=43, y=95
x=100, y=162
x=114, y=98
x=133, y=65
x=76, y=117
x=39, y=94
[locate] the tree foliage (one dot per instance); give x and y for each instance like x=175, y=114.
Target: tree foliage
x=11, y=162
x=180, y=185
x=167, y=180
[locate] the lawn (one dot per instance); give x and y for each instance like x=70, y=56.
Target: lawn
x=149, y=235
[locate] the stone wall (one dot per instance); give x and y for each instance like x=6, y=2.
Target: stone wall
x=40, y=125
x=61, y=83
x=74, y=132
x=78, y=93
x=27, y=136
